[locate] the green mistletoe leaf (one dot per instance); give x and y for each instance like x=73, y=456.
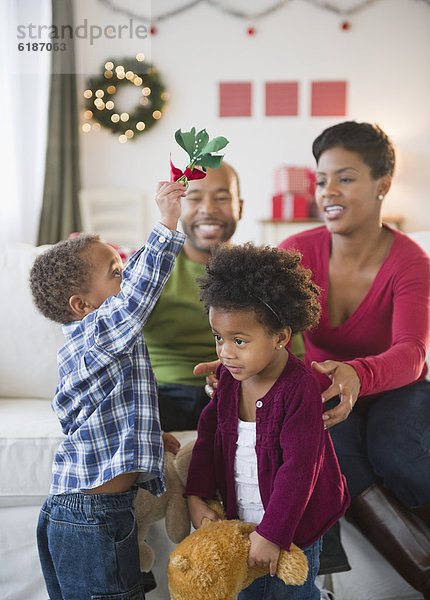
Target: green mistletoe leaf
x=189, y=138
x=199, y=149
x=210, y=161
x=200, y=142
x=214, y=145
x=186, y=140
x=178, y=138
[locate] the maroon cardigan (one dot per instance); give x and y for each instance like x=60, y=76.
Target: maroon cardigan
x=301, y=487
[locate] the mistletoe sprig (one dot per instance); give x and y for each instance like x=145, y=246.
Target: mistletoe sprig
x=201, y=154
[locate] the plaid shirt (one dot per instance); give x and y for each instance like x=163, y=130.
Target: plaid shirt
x=106, y=399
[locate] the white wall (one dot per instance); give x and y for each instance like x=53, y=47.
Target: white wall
x=384, y=57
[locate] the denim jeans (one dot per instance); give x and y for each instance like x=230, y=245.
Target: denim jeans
x=273, y=588
x=88, y=547
x=181, y=406
x=388, y=440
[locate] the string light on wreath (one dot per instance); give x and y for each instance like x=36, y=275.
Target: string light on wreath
x=102, y=108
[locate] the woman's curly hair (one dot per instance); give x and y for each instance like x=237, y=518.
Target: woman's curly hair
x=59, y=273
x=251, y=277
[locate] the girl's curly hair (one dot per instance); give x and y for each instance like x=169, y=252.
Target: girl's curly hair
x=59, y=273
x=267, y=280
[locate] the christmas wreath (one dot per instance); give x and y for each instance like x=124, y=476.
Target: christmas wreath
x=101, y=108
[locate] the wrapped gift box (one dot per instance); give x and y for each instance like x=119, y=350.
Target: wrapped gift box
x=296, y=180
x=291, y=206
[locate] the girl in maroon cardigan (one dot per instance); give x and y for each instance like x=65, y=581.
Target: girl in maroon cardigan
x=261, y=439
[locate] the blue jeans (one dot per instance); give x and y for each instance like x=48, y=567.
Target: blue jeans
x=88, y=547
x=273, y=588
x=388, y=440
x=180, y=406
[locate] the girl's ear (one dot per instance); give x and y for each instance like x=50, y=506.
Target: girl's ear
x=284, y=336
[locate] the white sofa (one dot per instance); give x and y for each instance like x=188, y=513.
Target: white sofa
x=30, y=433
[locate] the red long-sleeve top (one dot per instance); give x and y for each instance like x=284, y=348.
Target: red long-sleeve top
x=387, y=336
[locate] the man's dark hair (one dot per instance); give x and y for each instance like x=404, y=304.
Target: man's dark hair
x=269, y=281
x=369, y=141
x=59, y=273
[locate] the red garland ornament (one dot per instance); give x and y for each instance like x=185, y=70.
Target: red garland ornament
x=345, y=26
x=153, y=30
x=251, y=31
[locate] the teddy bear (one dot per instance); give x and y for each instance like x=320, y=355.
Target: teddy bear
x=211, y=563
x=171, y=505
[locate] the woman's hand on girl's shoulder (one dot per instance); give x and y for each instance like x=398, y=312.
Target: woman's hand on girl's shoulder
x=345, y=384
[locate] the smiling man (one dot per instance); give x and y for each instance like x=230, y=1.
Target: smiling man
x=178, y=333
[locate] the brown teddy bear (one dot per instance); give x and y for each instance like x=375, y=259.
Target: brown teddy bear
x=211, y=563
x=171, y=505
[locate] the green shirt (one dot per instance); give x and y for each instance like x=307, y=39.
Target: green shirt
x=177, y=333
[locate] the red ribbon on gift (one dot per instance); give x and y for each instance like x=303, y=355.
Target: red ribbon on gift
x=190, y=174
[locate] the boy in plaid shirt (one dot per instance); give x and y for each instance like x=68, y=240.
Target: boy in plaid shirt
x=106, y=401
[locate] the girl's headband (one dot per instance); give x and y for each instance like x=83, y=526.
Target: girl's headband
x=272, y=310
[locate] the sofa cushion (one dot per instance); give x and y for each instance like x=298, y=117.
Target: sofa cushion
x=28, y=361
x=29, y=436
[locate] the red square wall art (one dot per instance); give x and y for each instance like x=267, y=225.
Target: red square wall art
x=328, y=99
x=235, y=99
x=282, y=98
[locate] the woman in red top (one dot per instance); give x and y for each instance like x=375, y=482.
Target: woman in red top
x=369, y=349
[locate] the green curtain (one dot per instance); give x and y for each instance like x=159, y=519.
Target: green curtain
x=60, y=213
